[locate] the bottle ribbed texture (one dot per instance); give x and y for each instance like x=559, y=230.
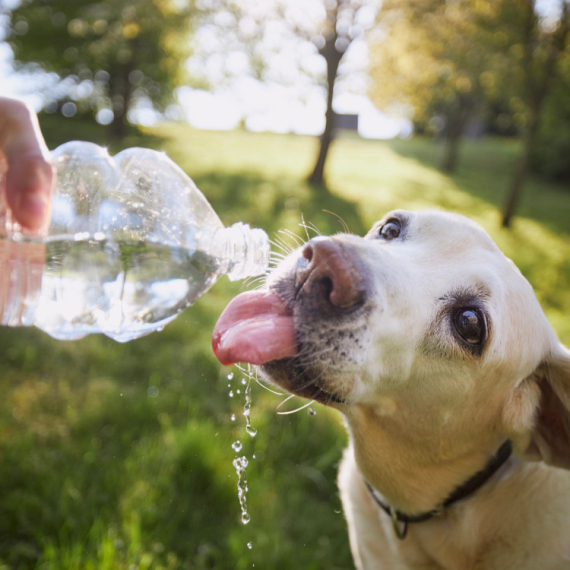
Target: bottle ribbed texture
x=132, y=242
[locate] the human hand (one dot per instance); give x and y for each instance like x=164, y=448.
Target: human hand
x=26, y=184
x=26, y=175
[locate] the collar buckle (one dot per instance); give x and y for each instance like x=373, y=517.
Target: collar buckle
x=400, y=527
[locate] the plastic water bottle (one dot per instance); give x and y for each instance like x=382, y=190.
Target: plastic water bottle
x=132, y=242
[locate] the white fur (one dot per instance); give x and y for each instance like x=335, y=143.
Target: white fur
x=423, y=415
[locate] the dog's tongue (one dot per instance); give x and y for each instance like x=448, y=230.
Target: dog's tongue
x=256, y=327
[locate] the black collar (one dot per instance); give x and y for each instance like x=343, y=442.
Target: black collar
x=400, y=520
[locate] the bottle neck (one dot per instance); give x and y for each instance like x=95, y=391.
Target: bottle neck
x=244, y=251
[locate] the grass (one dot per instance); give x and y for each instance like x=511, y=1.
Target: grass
x=97, y=474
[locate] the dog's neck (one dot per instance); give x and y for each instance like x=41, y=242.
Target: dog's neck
x=466, y=489
x=420, y=475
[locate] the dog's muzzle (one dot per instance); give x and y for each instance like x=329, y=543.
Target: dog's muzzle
x=329, y=275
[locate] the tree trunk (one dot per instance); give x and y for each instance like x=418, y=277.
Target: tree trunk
x=332, y=57
x=119, y=124
x=451, y=151
x=120, y=95
x=538, y=87
x=520, y=172
x=317, y=176
x=455, y=128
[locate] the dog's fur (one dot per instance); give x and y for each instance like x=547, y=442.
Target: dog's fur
x=424, y=409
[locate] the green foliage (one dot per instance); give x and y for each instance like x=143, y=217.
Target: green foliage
x=119, y=52
x=431, y=57
x=97, y=474
x=551, y=152
x=491, y=55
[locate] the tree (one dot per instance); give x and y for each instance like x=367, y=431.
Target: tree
x=431, y=58
x=538, y=45
x=121, y=52
x=552, y=147
x=454, y=57
x=264, y=33
x=338, y=30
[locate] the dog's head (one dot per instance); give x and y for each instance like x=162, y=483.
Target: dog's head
x=423, y=327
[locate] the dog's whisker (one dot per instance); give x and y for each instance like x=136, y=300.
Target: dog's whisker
x=292, y=235
x=304, y=226
x=312, y=381
x=297, y=238
x=251, y=373
x=288, y=236
x=265, y=387
x=344, y=224
x=283, y=247
x=297, y=410
x=255, y=281
x=285, y=400
x=307, y=227
x=313, y=228
x=308, y=357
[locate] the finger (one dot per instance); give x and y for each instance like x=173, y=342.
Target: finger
x=28, y=189
x=29, y=179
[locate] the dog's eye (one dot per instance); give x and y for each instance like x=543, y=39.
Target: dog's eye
x=470, y=325
x=390, y=230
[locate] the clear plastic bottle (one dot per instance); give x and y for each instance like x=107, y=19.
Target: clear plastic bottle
x=132, y=242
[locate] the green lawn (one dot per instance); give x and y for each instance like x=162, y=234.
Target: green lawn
x=96, y=474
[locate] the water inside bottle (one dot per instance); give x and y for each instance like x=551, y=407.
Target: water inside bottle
x=124, y=289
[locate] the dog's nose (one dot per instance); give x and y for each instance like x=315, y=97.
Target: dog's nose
x=328, y=272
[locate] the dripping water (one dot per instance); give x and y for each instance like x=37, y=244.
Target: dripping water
x=247, y=411
x=240, y=464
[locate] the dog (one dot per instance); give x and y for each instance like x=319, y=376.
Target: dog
x=454, y=388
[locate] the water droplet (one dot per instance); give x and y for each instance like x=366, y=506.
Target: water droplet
x=243, y=381
x=152, y=392
x=160, y=329
x=249, y=545
x=236, y=446
x=312, y=412
x=253, y=455
x=245, y=518
x=238, y=391
x=231, y=394
x=230, y=376
x=247, y=412
x=233, y=417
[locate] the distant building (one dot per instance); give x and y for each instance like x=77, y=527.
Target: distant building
x=346, y=121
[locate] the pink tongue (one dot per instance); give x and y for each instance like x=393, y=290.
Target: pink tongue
x=255, y=327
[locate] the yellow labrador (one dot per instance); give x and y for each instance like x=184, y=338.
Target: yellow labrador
x=434, y=347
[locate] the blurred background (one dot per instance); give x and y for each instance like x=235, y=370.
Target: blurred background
x=120, y=455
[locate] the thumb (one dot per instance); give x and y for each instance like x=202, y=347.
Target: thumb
x=29, y=179
x=28, y=189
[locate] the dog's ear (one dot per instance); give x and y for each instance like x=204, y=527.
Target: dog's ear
x=550, y=435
